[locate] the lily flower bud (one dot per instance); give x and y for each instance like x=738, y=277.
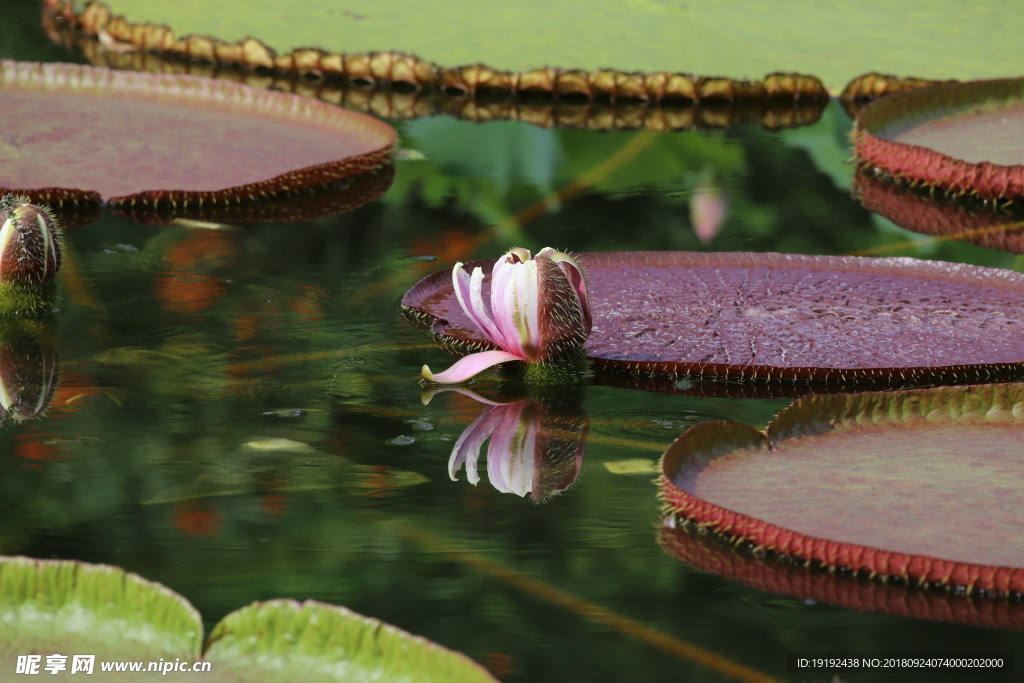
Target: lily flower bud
x=30, y=256
x=29, y=243
x=539, y=311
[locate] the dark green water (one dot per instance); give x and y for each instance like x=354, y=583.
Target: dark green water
x=185, y=351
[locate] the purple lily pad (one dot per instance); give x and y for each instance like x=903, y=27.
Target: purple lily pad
x=920, y=485
x=87, y=134
x=779, y=318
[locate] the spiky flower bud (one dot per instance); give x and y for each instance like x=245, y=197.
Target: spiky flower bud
x=539, y=311
x=30, y=256
x=29, y=243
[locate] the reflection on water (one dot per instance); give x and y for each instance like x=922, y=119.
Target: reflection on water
x=982, y=224
x=405, y=102
x=239, y=415
x=536, y=446
x=777, y=575
x=29, y=368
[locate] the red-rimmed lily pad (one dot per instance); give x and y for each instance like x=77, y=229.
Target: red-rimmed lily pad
x=774, y=574
x=295, y=207
x=778, y=318
x=961, y=138
x=88, y=134
x=985, y=226
x=923, y=485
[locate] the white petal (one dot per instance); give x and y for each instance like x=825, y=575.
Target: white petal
x=468, y=291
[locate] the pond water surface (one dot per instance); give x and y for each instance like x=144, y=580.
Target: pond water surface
x=240, y=414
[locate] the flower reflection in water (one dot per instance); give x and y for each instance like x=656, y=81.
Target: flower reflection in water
x=29, y=369
x=536, y=447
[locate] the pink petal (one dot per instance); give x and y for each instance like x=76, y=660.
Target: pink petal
x=469, y=366
x=468, y=291
x=467, y=448
x=501, y=277
x=511, y=452
x=429, y=393
x=515, y=300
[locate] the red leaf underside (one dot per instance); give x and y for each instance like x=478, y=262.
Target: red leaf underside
x=962, y=138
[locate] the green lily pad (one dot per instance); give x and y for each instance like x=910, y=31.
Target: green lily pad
x=918, y=485
x=284, y=640
x=739, y=39
x=66, y=608
x=53, y=606
x=403, y=104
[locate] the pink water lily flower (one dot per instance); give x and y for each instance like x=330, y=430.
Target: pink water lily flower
x=539, y=311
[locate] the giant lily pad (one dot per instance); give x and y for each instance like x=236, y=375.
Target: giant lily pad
x=394, y=104
x=984, y=226
x=774, y=574
x=960, y=138
x=778, y=318
x=738, y=39
x=68, y=608
x=283, y=640
x=88, y=134
x=868, y=87
x=919, y=485
x=294, y=207
x=72, y=607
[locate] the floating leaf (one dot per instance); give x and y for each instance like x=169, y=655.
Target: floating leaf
x=293, y=207
x=631, y=466
x=393, y=104
x=736, y=39
x=66, y=607
x=777, y=318
x=283, y=640
x=72, y=607
x=87, y=134
x=919, y=485
x=960, y=138
x=863, y=89
x=774, y=574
